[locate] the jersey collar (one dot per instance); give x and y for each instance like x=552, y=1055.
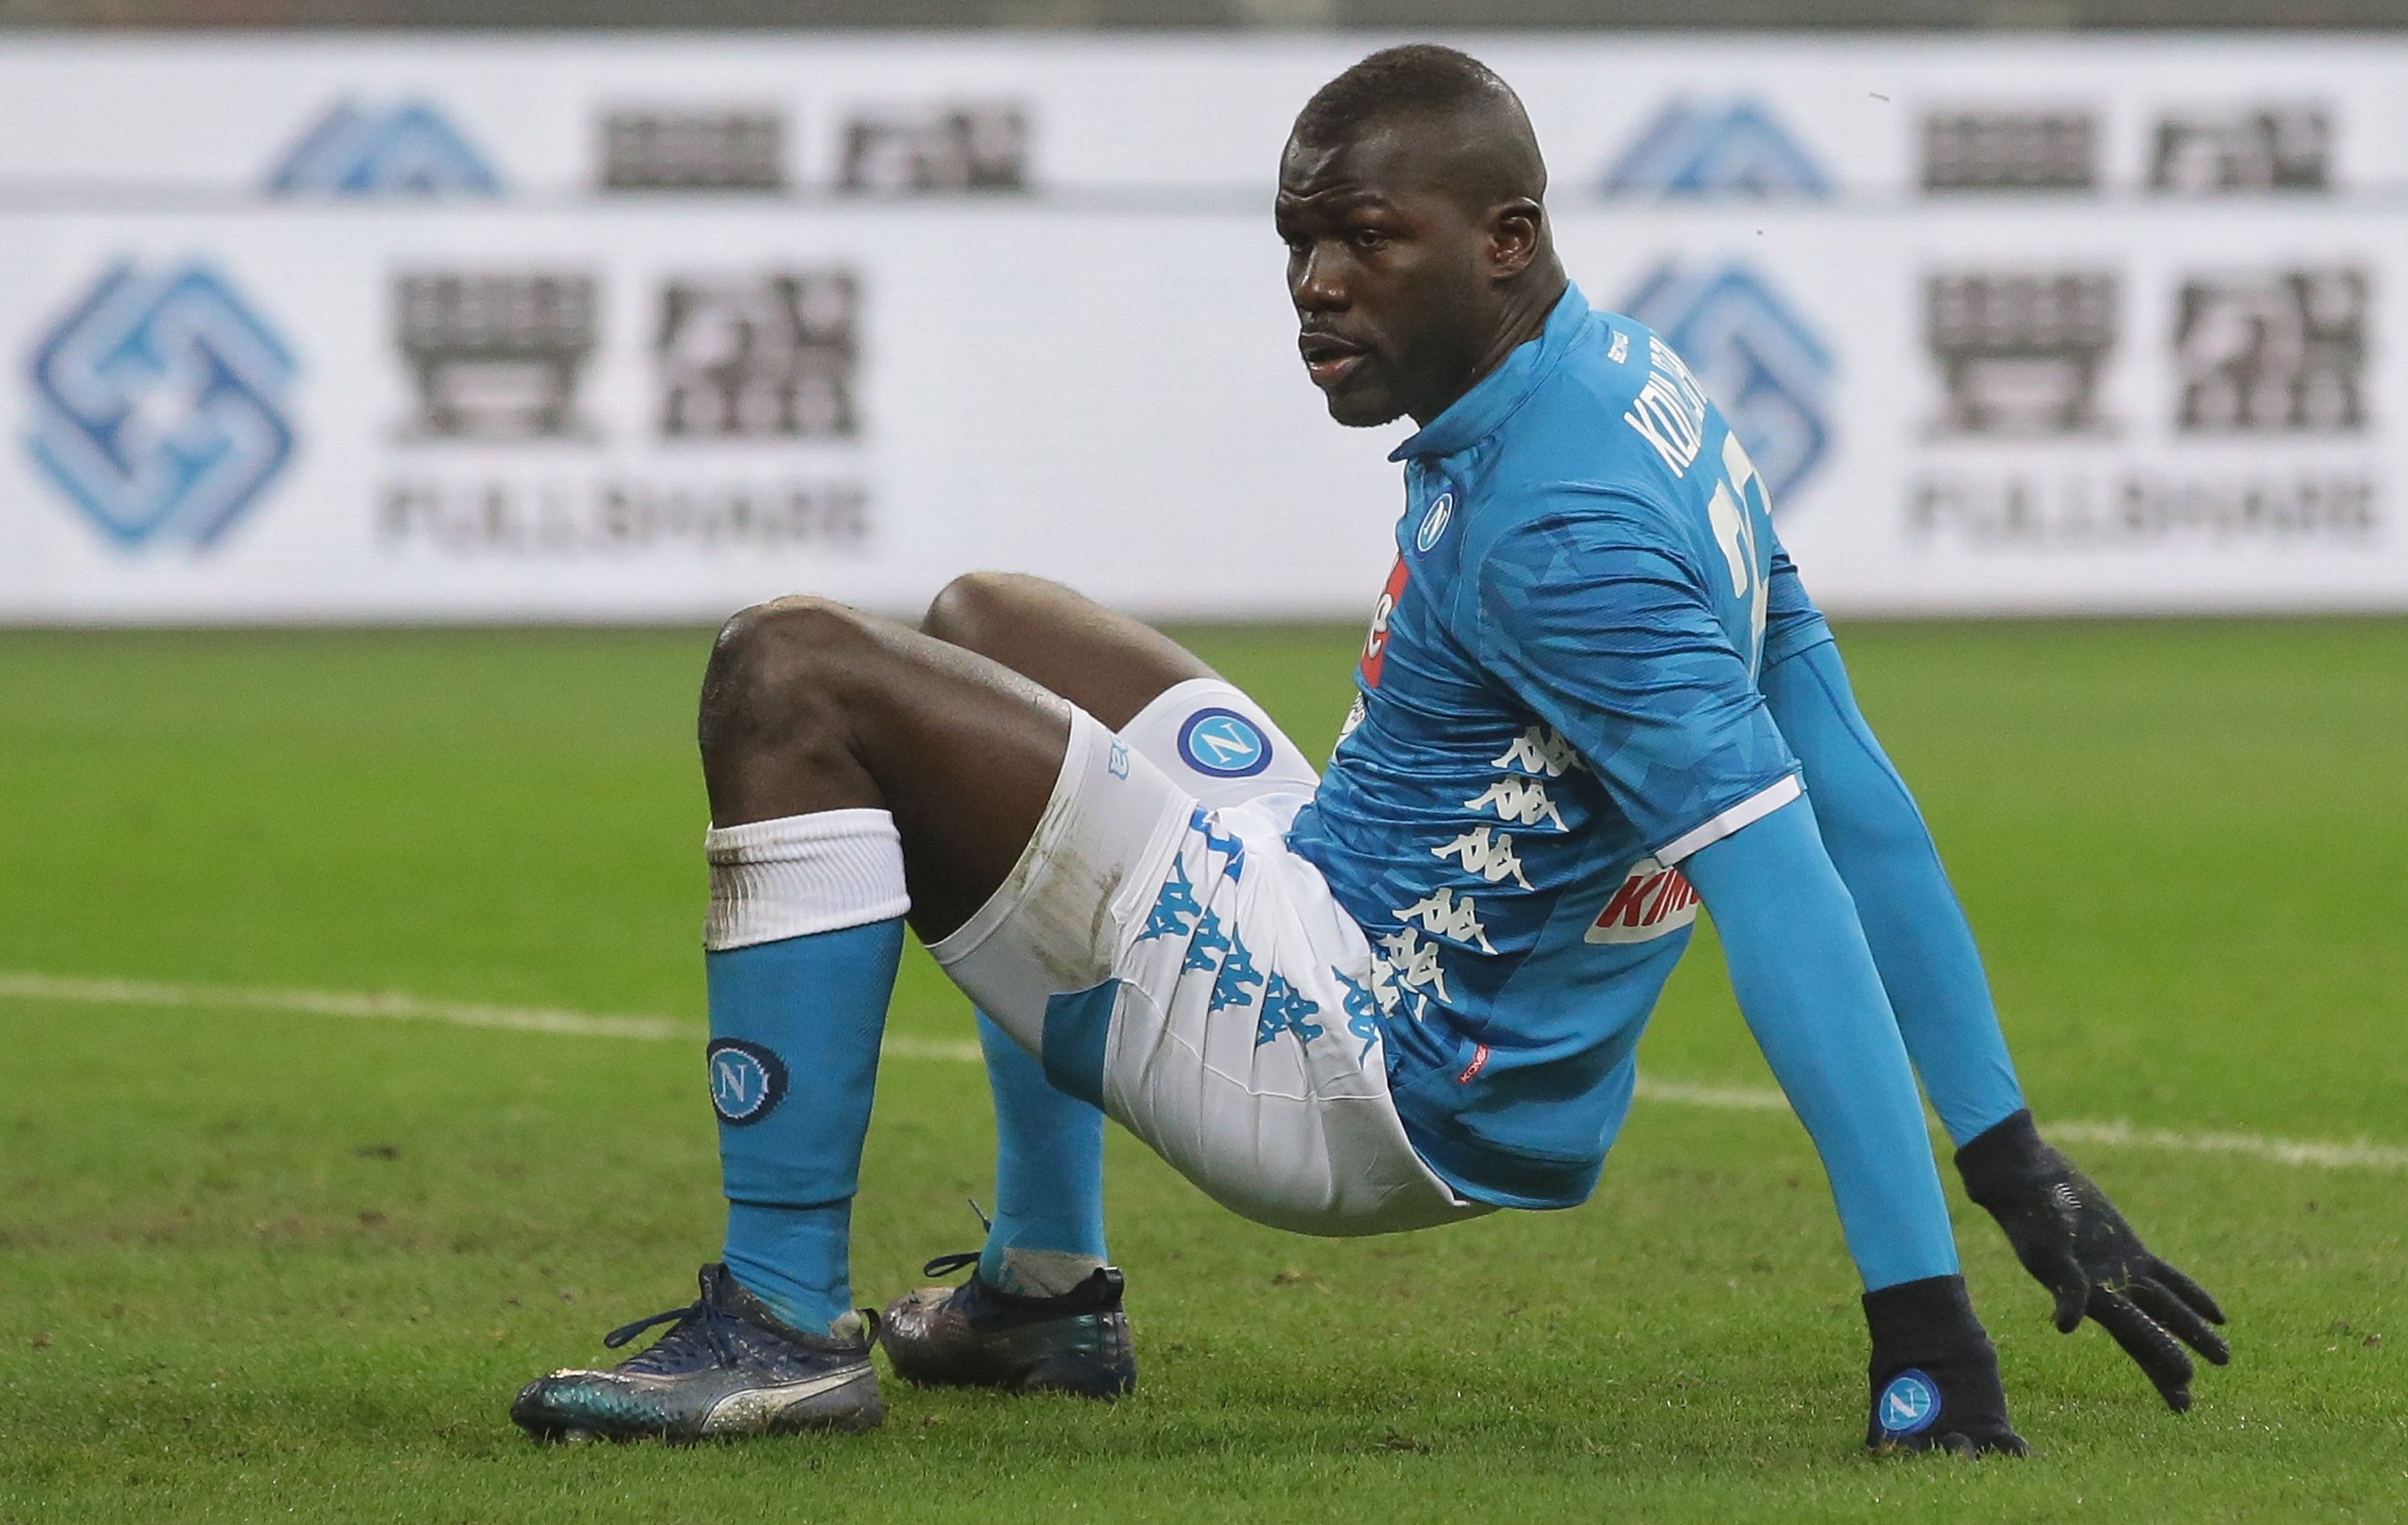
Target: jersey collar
x=1481, y=411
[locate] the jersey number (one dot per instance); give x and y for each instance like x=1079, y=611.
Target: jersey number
x=1735, y=532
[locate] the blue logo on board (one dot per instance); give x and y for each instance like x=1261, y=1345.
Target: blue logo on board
x=1737, y=149
x=747, y=1080
x=1907, y=1405
x=1434, y=522
x=408, y=149
x=1768, y=373
x=1224, y=743
x=159, y=405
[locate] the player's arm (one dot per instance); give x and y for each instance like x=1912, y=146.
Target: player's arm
x=2063, y=1228
x=1613, y=643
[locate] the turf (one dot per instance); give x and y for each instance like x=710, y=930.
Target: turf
x=256, y=1265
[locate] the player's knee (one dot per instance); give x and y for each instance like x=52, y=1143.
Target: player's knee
x=975, y=607
x=791, y=658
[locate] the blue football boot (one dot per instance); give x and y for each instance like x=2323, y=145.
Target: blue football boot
x=982, y=1336
x=727, y=1367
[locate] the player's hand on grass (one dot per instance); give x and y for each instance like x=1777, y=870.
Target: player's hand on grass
x=1935, y=1374
x=2071, y=1239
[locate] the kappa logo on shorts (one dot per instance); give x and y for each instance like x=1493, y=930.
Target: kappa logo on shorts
x=1434, y=522
x=1286, y=1009
x=747, y=1080
x=1224, y=743
x=1907, y=1405
x=1207, y=823
x=1362, y=1014
x=1652, y=901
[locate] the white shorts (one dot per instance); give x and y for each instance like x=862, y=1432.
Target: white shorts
x=1163, y=952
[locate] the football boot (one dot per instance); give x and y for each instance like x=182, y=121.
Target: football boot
x=727, y=1367
x=981, y=1336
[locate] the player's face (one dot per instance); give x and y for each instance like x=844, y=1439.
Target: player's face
x=1393, y=310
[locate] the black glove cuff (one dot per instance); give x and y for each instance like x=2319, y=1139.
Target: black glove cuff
x=1916, y=1321
x=2002, y=1158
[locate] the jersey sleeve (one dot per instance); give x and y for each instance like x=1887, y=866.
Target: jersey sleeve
x=1792, y=624
x=1608, y=634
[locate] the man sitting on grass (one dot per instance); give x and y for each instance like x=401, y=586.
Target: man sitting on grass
x=1406, y=993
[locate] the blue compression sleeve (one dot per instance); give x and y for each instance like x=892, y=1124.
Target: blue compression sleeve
x=1807, y=988
x=1918, y=934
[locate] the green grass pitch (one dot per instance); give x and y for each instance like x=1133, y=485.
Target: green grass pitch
x=264, y=1265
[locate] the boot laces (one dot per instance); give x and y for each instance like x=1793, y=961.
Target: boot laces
x=698, y=1328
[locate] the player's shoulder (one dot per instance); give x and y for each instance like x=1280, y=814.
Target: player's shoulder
x=1613, y=431
x=1570, y=466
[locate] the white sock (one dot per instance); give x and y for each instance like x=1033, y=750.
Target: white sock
x=800, y=874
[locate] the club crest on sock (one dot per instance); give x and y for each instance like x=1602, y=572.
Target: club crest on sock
x=747, y=1080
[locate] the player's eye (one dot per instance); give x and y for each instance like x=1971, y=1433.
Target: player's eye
x=1369, y=238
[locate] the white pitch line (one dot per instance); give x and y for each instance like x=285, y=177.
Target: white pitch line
x=2360, y=1155
x=328, y=1003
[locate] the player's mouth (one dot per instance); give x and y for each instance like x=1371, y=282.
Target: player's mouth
x=1328, y=359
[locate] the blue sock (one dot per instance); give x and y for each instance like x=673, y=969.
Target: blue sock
x=794, y=1027
x=1049, y=1174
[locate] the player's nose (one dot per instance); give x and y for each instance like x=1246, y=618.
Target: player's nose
x=1316, y=282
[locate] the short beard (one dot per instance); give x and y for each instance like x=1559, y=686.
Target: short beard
x=1393, y=412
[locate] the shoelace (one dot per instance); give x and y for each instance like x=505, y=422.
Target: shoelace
x=945, y=1265
x=697, y=1312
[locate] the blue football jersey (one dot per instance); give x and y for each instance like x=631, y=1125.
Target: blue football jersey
x=1556, y=703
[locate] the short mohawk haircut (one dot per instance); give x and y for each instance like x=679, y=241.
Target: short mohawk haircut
x=1418, y=77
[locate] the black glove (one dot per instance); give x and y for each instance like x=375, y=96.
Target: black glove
x=2070, y=1236
x=1935, y=1375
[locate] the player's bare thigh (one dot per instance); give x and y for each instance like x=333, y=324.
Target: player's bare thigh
x=1104, y=662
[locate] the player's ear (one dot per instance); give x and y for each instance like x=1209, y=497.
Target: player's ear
x=1516, y=233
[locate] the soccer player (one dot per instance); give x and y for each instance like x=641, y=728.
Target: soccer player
x=1406, y=993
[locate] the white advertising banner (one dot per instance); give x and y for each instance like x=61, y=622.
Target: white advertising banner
x=635, y=328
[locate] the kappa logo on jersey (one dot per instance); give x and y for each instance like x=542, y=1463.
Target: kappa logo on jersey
x=1734, y=150
x=1375, y=645
x=1411, y=964
x=409, y=150
x=1519, y=801
x=1444, y=913
x=1768, y=371
x=159, y=405
x=1540, y=751
x=1354, y=720
x=1434, y=522
x=1907, y=1405
x=1652, y=901
x=747, y=1080
x=1486, y=852
x=1224, y=743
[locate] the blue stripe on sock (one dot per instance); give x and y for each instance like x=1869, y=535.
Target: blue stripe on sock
x=1076, y=1027
x=1049, y=1160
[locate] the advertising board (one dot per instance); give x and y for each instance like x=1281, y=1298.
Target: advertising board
x=615, y=328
